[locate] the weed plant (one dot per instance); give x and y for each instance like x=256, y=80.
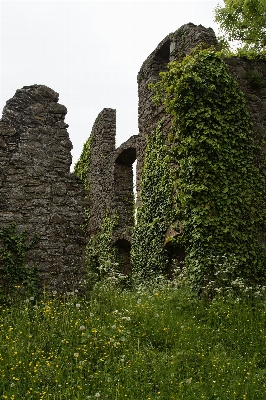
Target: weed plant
x=156, y=341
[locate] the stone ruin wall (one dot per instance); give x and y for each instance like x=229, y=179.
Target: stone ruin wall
x=110, y=179
x=100, y=176
x=37, y=191
x=244, y=71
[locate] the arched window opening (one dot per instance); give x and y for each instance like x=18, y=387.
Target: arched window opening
x=124, y=187
x=161, y=59
x=163, y=53
x=123, y=248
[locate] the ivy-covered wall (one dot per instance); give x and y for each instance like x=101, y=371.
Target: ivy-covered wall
x=214, y=122
x=219, y=188
x=174, y=46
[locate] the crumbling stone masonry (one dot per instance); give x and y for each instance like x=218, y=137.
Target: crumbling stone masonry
x=110, y=180
x=37, y=191
x=100, y=175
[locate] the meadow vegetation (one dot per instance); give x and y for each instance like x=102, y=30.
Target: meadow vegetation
x=154, y=341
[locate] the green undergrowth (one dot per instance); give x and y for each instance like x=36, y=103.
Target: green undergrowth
x=156, y=343
x=16, y=275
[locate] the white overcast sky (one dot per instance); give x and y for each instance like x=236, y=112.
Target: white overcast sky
x=89, y=52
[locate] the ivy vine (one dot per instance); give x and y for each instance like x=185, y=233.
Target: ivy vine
x=148, y=255
x=219, y=189
x=81, y=168
x=101, y=257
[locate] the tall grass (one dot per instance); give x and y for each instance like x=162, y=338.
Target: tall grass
x=161, y=343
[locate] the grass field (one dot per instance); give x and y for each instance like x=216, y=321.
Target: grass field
x=143, y=344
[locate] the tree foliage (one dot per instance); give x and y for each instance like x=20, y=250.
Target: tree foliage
x=244, y=21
